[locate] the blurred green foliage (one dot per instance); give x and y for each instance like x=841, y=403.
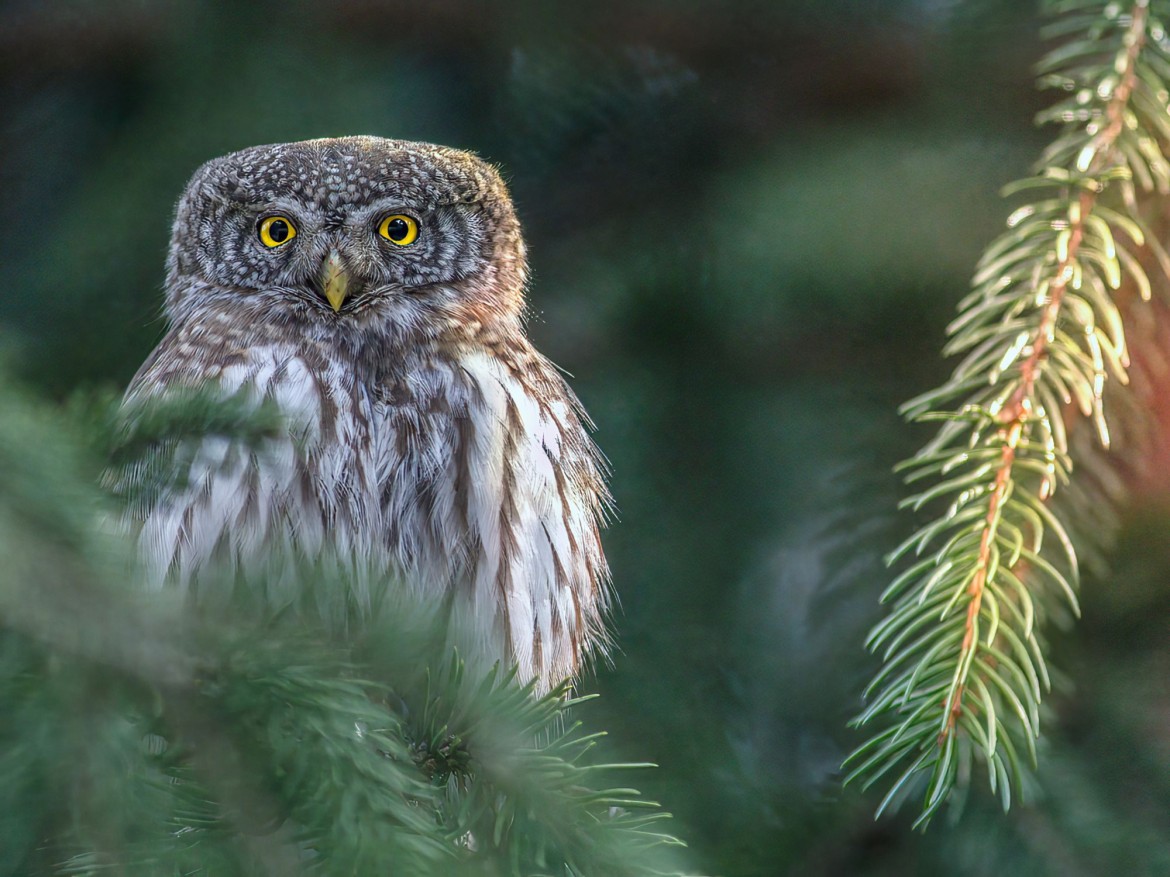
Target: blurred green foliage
x=749, y=222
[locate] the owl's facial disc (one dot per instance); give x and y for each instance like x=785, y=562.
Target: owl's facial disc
x=335, y=280
x=348, y=231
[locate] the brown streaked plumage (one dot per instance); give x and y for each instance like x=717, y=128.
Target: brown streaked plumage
x=427, y=439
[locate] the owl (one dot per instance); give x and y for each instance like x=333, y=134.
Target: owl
x=373, y=290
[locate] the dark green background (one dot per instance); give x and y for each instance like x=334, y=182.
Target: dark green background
x=749, y=224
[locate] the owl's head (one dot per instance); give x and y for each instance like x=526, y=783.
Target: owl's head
x=356, y=231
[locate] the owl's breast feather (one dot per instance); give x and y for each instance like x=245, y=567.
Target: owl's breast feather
x=313, y=488
x=453, y=474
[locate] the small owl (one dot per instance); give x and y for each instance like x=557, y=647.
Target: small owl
x=374, y=290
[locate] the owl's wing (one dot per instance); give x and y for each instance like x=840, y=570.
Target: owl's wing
x=232, y=501
x=535, y=501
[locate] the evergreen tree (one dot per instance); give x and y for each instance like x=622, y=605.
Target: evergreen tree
x=742, y=357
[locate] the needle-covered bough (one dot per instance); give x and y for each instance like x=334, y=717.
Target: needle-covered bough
x=1041, y=338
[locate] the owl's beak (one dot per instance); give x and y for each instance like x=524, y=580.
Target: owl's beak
x=334, y=280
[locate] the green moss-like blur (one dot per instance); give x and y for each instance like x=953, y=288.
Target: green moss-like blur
x=749, y=224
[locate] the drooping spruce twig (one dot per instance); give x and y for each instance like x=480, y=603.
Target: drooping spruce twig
x=963, y=657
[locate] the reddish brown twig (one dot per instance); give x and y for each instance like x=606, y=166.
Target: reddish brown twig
x=1014, y=415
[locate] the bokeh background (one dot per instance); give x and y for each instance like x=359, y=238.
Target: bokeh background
x=750, y=221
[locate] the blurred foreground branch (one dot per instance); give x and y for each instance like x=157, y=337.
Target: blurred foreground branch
x=144, y=736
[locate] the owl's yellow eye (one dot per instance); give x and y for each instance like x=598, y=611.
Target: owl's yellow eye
x=399, y=229
x=276, y=230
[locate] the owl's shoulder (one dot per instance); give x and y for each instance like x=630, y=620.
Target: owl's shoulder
x=220, y=350
x=194, y=353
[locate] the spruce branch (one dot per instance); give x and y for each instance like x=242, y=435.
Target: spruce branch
x=1041, y=333
x=141, y=735
x=541, y=806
